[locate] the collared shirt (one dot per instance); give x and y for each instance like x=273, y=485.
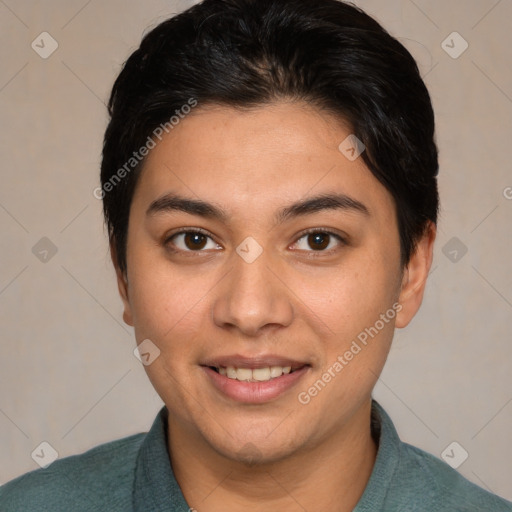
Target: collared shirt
x=135, y=474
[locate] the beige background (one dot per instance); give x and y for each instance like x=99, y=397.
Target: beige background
x=68, y=375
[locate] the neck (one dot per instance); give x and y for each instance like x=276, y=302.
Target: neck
x=331, y=475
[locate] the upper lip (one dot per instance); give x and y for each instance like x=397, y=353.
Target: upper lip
x=260, y=361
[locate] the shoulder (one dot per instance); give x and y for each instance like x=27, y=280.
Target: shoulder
x=434, y=482
x=88, y=481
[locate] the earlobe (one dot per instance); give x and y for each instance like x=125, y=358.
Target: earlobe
x=122, y=284
x=415, y=277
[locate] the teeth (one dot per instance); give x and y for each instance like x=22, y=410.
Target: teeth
x=276, y=371
x=261, y=374
x=243, y=374
x=256, y=375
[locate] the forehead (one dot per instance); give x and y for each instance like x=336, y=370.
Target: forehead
x=258, y=159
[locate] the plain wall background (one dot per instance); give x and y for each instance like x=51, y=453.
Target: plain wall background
x=68, y=375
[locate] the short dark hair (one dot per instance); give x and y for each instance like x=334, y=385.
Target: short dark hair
x=248, y=53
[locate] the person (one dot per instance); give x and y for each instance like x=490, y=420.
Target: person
x=269, y=183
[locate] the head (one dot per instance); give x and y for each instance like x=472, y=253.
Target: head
x=296, y=138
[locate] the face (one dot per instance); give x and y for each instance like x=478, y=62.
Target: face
x=273, y=309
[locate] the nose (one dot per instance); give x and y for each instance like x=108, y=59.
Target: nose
x=253, y=297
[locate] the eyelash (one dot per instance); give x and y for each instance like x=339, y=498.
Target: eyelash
x=200, y=231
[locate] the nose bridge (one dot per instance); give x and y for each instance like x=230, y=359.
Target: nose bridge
x=251, y=295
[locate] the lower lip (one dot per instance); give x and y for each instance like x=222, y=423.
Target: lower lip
x=254, y=392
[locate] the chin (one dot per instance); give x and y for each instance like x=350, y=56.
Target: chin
x=256, y=448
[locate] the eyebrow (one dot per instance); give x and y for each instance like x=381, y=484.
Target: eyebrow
x=329, y=201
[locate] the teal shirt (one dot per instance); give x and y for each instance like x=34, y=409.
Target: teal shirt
x=135, y=474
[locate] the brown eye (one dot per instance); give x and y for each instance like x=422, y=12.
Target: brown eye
x=190, y=241
x=194, y=241
x=318, y=241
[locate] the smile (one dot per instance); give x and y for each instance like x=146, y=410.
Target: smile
x=254, y=380
x=253, y=375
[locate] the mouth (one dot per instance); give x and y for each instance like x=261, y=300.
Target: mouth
x=262, y=374
x=254, y=380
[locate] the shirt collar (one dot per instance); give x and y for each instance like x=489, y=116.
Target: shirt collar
x=386, y=462
x=156, y=490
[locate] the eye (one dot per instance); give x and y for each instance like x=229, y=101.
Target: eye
x=319, y=240
x=194, y=240
x=191, y=240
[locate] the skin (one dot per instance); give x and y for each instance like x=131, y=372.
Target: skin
x=281, y=454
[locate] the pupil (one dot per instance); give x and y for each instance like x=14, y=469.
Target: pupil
x=194, y=238
x=316, y=239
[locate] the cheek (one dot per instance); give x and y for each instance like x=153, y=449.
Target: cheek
x=167, y=303
x=351, y=296
x=168, y=310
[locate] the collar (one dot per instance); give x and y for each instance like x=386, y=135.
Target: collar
x=386, y=463
x=155, y=489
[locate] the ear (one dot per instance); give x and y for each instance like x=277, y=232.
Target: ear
x=415, y=277
x=122, y=284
